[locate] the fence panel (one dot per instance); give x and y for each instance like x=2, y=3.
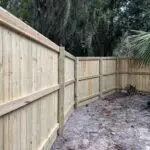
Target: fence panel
x=69, y=99
x=123, y=70
x=139, y=75
x=109, y=75
x=28, y=86
x=88, y=79
x=96, y=77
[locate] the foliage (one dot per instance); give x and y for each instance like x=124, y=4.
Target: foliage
x=123, y=47
x=84, y=27
x=140, y=45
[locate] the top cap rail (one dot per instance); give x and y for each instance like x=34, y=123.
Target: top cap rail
x=12, y=22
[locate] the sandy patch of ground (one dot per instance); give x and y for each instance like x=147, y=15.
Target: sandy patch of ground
x=118, y=122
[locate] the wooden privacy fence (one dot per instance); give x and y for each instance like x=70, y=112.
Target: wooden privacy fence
x=36, y=86
x=96, y=76
x=40, y=83
x=100, y=76
x=132, y=72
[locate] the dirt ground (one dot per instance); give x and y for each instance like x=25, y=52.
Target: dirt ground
x=118, y=122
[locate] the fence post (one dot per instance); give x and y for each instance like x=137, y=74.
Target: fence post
x=129, y=72
x=76, y=81
x=101, y=76
x=61, y=78
x=117, y=74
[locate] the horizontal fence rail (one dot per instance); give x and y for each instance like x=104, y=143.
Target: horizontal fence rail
x=96, y=77
x=41, y=83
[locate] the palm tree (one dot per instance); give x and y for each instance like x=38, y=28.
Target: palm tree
x=140, y=45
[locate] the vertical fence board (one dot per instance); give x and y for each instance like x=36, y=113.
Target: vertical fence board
x=117, y=75
x=7, y=55
x=6, y=133
x=1, y=66
x=29, y=127
x=101, y=77
x=69, y=92
x=23, y=126
x=1, y=134
x=76, y=81
x=16, y=69
x=19, y=130
x=61, y=91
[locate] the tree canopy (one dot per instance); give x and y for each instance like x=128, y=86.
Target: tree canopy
x=84, y=27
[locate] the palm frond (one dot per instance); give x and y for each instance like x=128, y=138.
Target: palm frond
x=140, y=45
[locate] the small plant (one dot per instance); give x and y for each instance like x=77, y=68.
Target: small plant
x=131, y=90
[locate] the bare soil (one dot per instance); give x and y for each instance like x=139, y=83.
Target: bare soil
x=118, y=122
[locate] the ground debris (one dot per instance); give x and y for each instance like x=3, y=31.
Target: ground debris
x=106, y=112
x=119, y=122
x=72, y=145
x=85, y=143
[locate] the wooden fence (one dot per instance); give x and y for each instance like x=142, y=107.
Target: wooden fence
x=96, y=76
x=69, y=98
x=132, y=72
x=36, y=86
x=40, y=83
x=100, y=76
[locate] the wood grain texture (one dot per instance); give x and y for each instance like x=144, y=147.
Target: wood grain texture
x=109, y=66
x=62, y=89
x=109, y=82
x=69, y=69
x=29, y=86
x=13, y=105
x=101, y=77
x=69, y=99
x=88, y=87
x=10, y=21
x=88, y=68
x=1, y=67
x=88, y=77
x=76, y=81
x=69, y=82
x=1, y=134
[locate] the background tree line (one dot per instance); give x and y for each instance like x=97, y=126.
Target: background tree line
x=84, y=27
